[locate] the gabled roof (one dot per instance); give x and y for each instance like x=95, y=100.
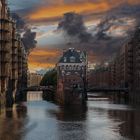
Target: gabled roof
x=73, y=54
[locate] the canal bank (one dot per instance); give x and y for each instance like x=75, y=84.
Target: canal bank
x=40, y=120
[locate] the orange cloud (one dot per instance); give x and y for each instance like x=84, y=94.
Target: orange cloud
x=57, y=10
x=133, y=2
x=45, y=58
x=39, y=52
x=35, y=66
x=42, y=58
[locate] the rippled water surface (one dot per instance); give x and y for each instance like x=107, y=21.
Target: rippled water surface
x=42, y=120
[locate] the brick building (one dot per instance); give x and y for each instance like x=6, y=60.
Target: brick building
x=10, y=44
x=125, y=69
x=135, y=44
x=121, y=67
x=34, y=79
x=71, y=80
x=99, y=77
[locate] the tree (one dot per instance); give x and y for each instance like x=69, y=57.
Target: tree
x=50, y=78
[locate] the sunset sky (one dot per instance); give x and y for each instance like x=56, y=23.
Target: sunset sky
x=43, y=17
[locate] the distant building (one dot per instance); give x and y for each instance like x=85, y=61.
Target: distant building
x=135, y=44
x=125, y=69
x=99, y=77
x=34, y=79
x=120, y=68
x=71, y=76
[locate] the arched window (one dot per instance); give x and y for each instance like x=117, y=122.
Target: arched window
x=67, y=67
x=72, y=59
x=79, y=67
x=70, y=67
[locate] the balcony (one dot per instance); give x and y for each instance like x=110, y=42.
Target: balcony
x=14, y=53
x=14, y=60
x=19, y=67
x=5, y=58
x=14, y=47
x=14, y=44
x=14, y=75
x=5, y=45
x=4, y=30
x=4, y=51
x=4, y=33
x=4, y=20
x=5, y=61
x=14, y=65
x=5, y=25
x=4, y=41
x=15, y=38
x=4, y=72
x=5, y=38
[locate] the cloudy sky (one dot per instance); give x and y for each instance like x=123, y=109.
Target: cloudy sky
x=116, y=18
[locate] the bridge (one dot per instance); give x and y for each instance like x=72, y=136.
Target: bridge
x=108, y=90
x=93, y=89
x=39, y=88
x=118, y=93
x=115, y=93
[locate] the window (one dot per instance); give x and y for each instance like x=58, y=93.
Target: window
x=67, y=67
x=72, y=59
x=70, y=67
x=78, y=67
x=68, y=73
x=65, y=59
x=74, y=68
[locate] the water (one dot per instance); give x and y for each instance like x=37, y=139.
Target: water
x=41, y=120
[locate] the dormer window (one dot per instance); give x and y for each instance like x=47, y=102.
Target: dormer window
x=72, y=59
x=65, y=59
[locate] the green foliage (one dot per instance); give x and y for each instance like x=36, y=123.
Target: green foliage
x=50, y=78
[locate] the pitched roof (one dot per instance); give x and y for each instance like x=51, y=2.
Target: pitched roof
x=72, y=54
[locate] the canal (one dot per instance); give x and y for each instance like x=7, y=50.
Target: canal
x=41, y=120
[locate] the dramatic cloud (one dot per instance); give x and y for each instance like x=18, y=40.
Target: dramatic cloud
x=113, y=30
x=73, y=25
x=46, y=10
x=29, y=37
x=28, y=40
x=110, y=22
x=106, y=41
x=20, y=23
x=59, y=10
x=43, y=58
x=104, y=26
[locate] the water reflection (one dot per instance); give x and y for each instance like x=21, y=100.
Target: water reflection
x=77, y=113
x=41, y=120
x=12, y=123
x=72, y=123
x=34, y=96
x=130, y=125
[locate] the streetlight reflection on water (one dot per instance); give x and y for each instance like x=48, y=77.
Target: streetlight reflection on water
x=97, y=120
